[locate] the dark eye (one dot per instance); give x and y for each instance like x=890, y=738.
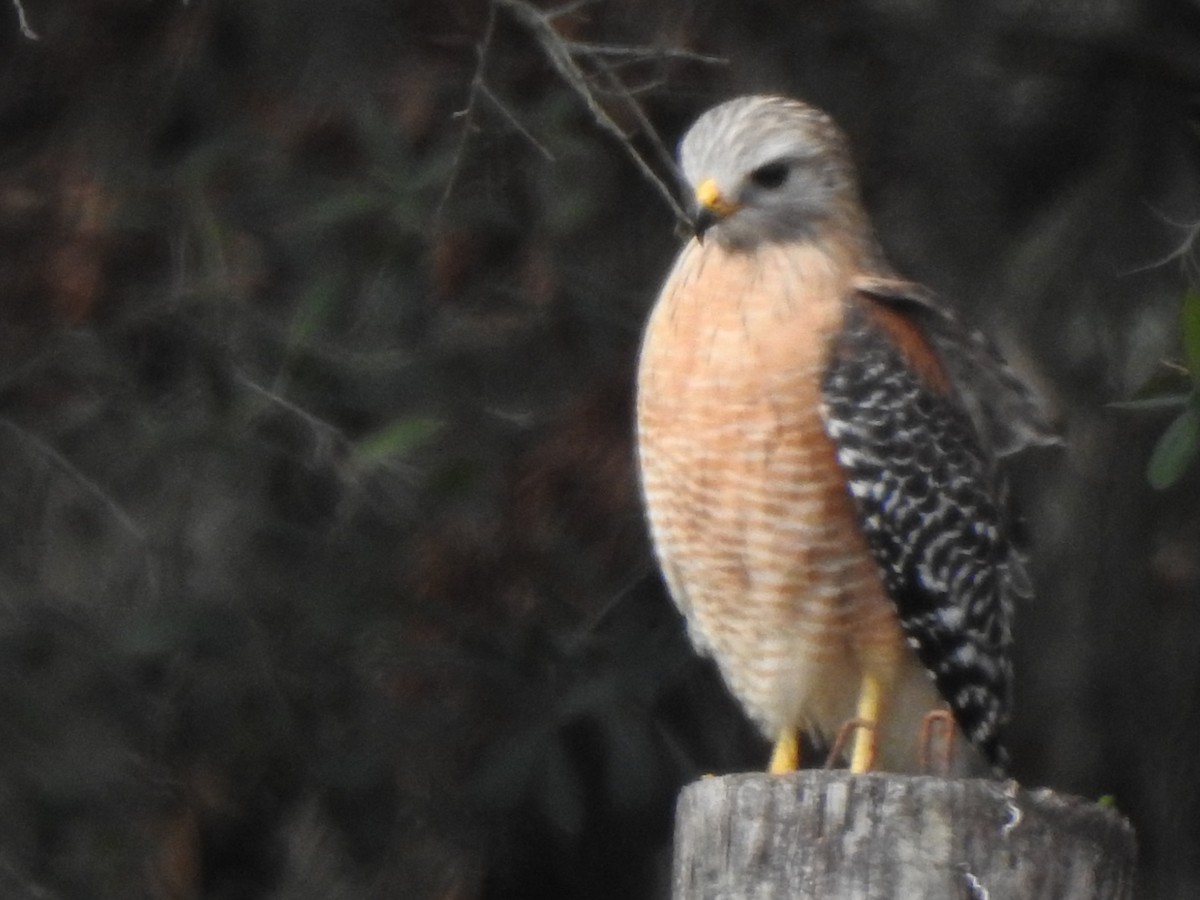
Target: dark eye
x=770, y=176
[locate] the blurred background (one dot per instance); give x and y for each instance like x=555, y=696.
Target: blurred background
x=323, y=572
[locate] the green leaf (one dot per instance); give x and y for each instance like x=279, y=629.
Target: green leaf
x=1175, y=449
x=395, y=440
x=313, y=310
x=1191, y=334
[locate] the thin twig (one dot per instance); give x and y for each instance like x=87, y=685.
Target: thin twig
x=1185, y=252
x=467, y=113
x=593, y=622
x=566, y=9
x=559, y=54
x=642, y=54
x=631, y=91
x=118, y=512
x=665, y=158
x=47, y=451
x=23, y=21
x=512, y=120
x=329, y=438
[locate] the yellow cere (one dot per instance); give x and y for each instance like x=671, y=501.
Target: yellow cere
x=708, y=195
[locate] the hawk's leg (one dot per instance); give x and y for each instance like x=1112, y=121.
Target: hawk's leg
x=944, y=720
x=870, y=696
x=786, y=755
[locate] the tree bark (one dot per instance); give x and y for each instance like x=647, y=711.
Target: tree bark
x=837, y=836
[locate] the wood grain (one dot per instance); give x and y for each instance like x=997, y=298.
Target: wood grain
x=837, y=836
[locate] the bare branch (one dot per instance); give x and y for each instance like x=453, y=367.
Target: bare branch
x=329, y=438
x=642, y=54
x=560, y=56
x=633, y=90
x=512, y=120
x=565, y=10
x=23, y=21
x=665, y=158
x=467, y=113
x=48, y=452
x=115, y=509
x=479, y=89
x=1185, y=251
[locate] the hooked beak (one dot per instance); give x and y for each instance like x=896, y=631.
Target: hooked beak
x=712, y=207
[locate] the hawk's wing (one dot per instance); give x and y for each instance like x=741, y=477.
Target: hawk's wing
x=931, y=505
x=1008, y=415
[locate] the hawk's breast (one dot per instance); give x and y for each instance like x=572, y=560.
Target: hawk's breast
x=748, y=507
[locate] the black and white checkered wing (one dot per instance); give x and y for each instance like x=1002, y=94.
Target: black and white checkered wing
x=930, y=502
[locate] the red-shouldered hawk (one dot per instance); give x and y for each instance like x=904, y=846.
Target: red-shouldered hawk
x=817, y=441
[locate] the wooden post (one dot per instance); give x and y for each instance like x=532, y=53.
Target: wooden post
x=836, y=836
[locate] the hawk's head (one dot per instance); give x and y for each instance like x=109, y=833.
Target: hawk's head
x=767, y=169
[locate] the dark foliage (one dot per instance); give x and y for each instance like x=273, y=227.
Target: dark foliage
x=323, y=572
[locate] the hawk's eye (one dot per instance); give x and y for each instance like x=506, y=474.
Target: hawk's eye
x=772, y=175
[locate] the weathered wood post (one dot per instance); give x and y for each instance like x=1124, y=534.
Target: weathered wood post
x=836, y=836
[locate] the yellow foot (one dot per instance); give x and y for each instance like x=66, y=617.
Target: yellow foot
x=869, y=698
x=945, y=725
x=786, y=755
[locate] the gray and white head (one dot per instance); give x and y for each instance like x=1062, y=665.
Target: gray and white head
x=767, y=169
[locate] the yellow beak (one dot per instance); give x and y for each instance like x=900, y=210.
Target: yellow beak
x=709, y=197
x=712, y=207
